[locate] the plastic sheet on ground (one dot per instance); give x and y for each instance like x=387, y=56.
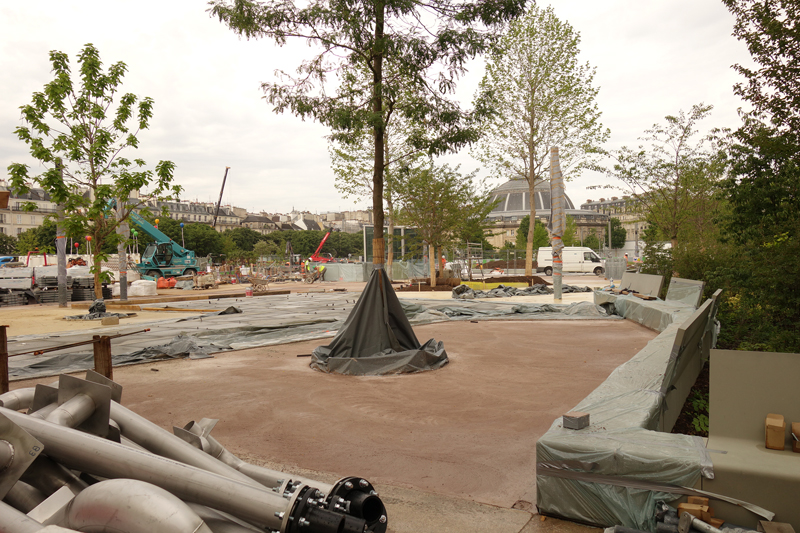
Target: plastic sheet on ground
x=263, y=321
x=464, y=292
x=613, y=472
x=377, y=338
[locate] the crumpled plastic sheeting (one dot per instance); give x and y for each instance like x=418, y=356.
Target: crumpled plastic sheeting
x=419, y=314
x=430, y=356
x=464, y=292
x=377, y=338
x=620, y=441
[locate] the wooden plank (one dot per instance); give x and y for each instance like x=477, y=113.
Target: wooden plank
x=180, y=309
x=102, y=356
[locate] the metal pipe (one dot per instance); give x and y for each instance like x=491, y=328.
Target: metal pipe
x=44, y=411
x=13, y=521
x=49, y=476
x=265, y=476
x=131, y=506
x=17, y=399
x=220, y=522
x=24, y=497
x=6, y=454
x=73, y=412
x=163, y=443
x=101, y=457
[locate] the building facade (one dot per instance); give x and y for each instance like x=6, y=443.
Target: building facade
x=625, y=209
x=513, y=206
x=15, y=218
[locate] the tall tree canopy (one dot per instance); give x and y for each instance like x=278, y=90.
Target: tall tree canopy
x=441, y=205
x=79, y=132
x=543, y=98
x=423, y=46
x=673, y=176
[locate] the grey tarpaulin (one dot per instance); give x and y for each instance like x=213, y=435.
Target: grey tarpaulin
x=377, y=338
x=614, y=471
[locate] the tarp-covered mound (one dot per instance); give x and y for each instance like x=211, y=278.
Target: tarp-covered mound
x=377, y=339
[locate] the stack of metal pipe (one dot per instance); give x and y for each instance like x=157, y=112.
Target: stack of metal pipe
x=77, y=460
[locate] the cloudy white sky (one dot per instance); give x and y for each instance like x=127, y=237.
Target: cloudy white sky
x=653, y=58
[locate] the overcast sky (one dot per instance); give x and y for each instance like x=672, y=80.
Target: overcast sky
x=653, y=58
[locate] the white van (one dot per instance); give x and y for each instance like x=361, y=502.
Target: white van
x=575, y=259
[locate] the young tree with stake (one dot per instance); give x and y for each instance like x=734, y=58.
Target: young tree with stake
x=78, y=132
x=543, y=97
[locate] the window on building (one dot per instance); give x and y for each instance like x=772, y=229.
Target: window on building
x=2, y=230
x=19, y=219
x=33, y=220
x=19, y=231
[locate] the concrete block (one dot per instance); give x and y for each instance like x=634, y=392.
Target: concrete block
x=575, y=420
x=110, y=321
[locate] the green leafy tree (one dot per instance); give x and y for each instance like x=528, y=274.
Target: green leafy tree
x=757, y=261
x=8, y=244
x=78, y=134
x=543, y=97
x=425, y=42
x=592, y=242
x=436, y=200
x=570, y=237
x=674, y=176
x=540, y=235
x=618, y=234
x=245, y=238
x=266, y=249
x=39, y=239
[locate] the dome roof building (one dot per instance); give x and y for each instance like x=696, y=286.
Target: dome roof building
x=513, y=206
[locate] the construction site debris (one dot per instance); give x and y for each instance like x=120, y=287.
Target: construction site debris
x=97, y=311
x=80, y=460
x=463, y=292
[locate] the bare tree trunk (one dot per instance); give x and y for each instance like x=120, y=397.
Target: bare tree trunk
x=531, y=227
x=390, y=208
x=378, y=244
x=432, y=262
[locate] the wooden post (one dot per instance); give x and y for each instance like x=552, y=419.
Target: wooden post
x=3, y=359
x=102, y=356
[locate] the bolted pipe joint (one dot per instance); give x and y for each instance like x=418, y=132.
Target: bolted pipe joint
x=358, y=498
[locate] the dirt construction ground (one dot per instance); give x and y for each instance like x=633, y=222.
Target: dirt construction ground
x=434, y=444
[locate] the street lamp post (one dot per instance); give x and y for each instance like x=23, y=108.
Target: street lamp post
x=182, y=242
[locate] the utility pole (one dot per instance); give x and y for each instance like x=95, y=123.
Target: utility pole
x=61, y=249
x=219, y=202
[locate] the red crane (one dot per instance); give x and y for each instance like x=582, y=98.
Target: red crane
x=324, y=258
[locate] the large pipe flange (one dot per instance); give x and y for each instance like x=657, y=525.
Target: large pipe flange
x=310, y=514
x=357, y=497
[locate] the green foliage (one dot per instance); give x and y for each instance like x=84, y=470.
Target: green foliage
x=244, y=238
x=618, y=234
x=570, y=237
x=540, y=236
x=591, y=241
x=266, y=249
x=699, y=403
x=673, y=178
x=78, y=134
x=8, y=244
x=372, y=53
x=542, y=97
x=438, y=201
x=42, y=239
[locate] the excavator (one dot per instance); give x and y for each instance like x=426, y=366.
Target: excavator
x=316, y=257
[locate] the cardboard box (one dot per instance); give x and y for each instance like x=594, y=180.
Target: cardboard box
x=795, y=437
x=765, y=526
x=716, y=522
x=693, y=509
x=775, y=429
x=575, y=420
x=697, y=500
